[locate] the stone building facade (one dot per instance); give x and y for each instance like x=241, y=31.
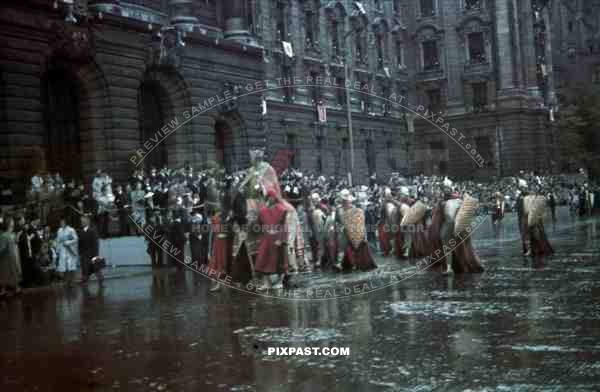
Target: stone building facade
x=576, y=44
x=87, y=85
x=489, y=76
x=576, y=57
x=92, y=85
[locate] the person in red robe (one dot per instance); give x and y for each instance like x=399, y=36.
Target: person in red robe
x=220, y=250
x=272, y=257
x=353, y=251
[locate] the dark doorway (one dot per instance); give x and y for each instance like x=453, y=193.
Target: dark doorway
x=62, y=143
x=224, y=145
x=152, y=119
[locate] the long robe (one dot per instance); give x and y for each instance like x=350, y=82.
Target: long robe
x=10, y=268
x=221, y=246
x=272, y=252
x=67, y=249
x=441, y=234
x=357, y=253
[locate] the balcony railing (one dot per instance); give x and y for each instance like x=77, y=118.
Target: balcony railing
x=471, y=5
x=477, y=67
x=431, y=72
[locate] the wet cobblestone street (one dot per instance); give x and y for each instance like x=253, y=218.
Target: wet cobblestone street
x=520, y=326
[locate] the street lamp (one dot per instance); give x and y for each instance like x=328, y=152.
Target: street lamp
x=359, y=13
x=356, y=29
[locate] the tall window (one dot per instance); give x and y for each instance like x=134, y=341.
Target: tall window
x=484, y=148
x=364, y=98
x=371, y=155
x=281, y=22
x=335, y=40
x=320, y=154
x=400, y=55
x=341, y=91
x=385, y=94
x=344, y=157
x=61, y=101
x=430, y=55
x=476, y=48
x=361, y=47
x=250, y=16
x=311, y=21
x=437, y=149
x=434, y=100
x=381, y=53
x=291, y=145
x=315, y=90
x=310, y=34
x=479, y=96
x=390, y=155
x=397, y=6
x=472, y=4
x=288, y=90
x=427, y=7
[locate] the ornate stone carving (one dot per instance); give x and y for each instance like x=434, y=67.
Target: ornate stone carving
x=166, y=49
x=74, y=43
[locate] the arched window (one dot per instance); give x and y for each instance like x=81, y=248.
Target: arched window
x=61, y=102
x=152, y=118
x=311, y=24
x=381, y=30
x=336, y=14
x=281, y=21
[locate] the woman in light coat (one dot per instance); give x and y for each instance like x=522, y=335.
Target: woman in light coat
x=10, y=265
x=68, y=253
x=139, y=205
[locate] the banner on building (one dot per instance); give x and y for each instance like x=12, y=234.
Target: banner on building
x=322, y=111
x=263, y=106
x=360, y=7
x=287, y=48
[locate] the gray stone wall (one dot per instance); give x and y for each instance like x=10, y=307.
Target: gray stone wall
x=400, y=138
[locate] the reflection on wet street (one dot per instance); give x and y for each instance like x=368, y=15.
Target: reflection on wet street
x=523, y=325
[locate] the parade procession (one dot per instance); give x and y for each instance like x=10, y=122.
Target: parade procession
x=300, y=195
x=258, y=228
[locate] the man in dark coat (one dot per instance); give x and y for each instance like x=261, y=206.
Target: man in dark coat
x=25, y=253
x=522, y=219
x=177, y=238
x=89, y=247
x=121, y=202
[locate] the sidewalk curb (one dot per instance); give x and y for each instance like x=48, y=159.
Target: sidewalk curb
x=59, y=285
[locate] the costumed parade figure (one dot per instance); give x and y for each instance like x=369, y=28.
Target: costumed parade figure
x=243, y=214
x=388, y=223
x=498, y=213
x=533, y=206
x=449, y=236
x=413, y=226
x=272, y=257
x=353, y=248
x=317, y=226
x=220, y=247
x=522, y=216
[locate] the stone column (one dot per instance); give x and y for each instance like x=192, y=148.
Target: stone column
x=182, y=14
x=236, y=28
x=504, y=47
x=528, y=49
x=550, y=92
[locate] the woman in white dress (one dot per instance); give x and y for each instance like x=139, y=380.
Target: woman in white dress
x=139, y=205
x=68, y=253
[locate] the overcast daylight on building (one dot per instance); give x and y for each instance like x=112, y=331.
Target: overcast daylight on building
x=282, y=195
